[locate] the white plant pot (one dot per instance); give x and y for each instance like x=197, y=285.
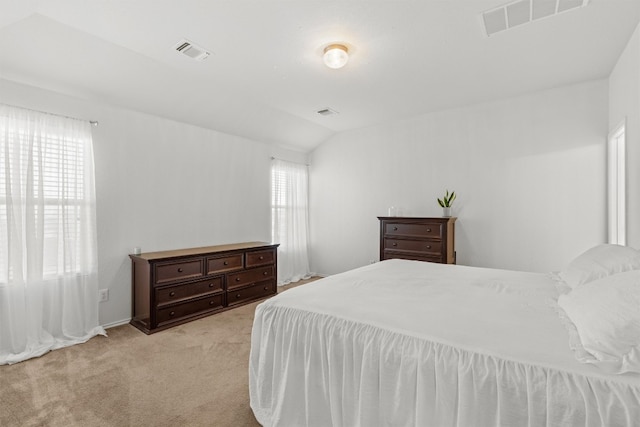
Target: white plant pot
x=446, y=212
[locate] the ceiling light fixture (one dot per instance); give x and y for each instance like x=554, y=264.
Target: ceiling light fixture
x=335, y=56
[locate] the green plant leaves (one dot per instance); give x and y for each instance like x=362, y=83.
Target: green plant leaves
x=447, y=200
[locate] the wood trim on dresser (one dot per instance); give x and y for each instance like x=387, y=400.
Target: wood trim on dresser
x=174, y=287
x=418, y=238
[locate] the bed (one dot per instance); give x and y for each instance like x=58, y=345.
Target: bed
x=410, y=343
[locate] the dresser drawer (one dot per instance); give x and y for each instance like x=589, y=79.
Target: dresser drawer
x=176, y=293
x=433, y=230
x=257, y=258
x=224, y=264
x=179, y=311
x=179, y=270
x=249, y=276
x=258, y=290
x=423, y=246
x=414, y=257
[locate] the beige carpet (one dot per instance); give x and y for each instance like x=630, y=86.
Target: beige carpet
x=191, y=375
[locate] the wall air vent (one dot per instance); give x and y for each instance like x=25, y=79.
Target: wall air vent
x=327, y=112
x=191, y=50
x=524, y=11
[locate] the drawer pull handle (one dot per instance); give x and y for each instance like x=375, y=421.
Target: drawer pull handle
x=266, y=288
x=264, y=273
x=237, y=295
x=394, y=244
x=172, y=294
x=172, y=313
x=428, y=246
x=211, y=285
x=180, y=270
x=428, y=230
x=226, y=263
x=260, y=257
x=211, y=302
x=237, y=279
x=395, y=228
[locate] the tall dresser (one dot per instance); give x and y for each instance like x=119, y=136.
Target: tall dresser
x=174, y=287
x=422, y=239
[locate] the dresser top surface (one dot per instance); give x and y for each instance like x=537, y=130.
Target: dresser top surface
x=150, y=256
x=417, y=218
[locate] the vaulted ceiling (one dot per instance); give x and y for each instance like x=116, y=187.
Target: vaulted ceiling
x=265, y=79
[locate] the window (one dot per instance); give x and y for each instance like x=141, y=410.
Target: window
x=43, y=187
x=48, y=248
x=289, y=219
x=616, y=186
x=278, y=204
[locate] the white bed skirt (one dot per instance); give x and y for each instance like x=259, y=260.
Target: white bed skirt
x=309, y=368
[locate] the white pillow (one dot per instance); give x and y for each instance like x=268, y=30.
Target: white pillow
x=600, y=261
x=606, y=316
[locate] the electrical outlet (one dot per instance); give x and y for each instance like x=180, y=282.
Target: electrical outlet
x=103, y=295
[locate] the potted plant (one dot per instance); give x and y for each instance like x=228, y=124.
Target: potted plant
x=446, y=203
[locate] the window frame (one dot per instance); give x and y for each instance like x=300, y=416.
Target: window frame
x=47, y=192
x=616, y=185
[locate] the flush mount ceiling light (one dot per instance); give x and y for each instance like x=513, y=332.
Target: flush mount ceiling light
x=335, y=56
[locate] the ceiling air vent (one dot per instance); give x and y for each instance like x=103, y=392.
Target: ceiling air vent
x=524, y=11
x=327, y=112
x=191, y=50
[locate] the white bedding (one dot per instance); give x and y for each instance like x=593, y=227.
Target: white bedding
x=409, y=343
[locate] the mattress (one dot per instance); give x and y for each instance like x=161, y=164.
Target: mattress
x=409, y=343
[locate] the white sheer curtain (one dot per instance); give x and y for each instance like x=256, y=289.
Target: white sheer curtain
x=290, y=219
x=48, y=251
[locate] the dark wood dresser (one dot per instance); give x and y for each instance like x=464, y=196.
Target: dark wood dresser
x=174, y=287
x=422, y=239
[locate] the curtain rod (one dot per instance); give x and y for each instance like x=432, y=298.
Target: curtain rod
x=91, y=122
x=289, y=161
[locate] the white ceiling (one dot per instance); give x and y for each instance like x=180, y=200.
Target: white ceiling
x=265, y=79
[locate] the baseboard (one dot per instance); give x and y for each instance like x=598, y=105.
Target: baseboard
x=116, y=323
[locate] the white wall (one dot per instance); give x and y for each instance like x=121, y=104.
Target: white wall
x=624, y=104
x=529, y=172
x=161, y=185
